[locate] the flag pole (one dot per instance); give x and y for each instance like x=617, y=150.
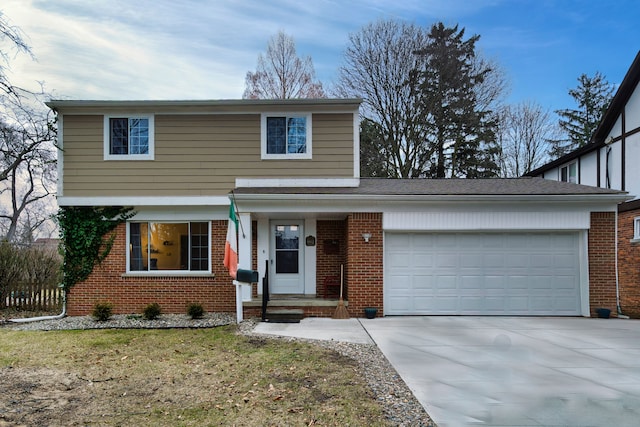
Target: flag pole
x=233, y=200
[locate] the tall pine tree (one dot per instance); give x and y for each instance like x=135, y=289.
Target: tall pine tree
x=592, y=96
x=460, y=133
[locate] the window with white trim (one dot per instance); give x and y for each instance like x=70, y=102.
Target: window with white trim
x=129, y=137
x=569, y=173
x=169, y=246
x=286, y=136
x=636, y=228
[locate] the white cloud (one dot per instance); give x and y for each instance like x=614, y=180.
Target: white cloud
x=116, y=49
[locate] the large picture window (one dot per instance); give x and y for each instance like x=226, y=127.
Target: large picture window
x=162, y=246
x=286, y=136
x=129, y=138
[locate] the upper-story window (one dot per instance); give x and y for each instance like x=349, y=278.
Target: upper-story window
x=128, y=137
x=636, y=228
x=569, y=173
x=286, y=136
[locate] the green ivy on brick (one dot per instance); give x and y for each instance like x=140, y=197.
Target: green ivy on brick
x=85, y=243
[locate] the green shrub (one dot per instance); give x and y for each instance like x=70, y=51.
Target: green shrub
x=195, y=311
x=152, y=311
x=102, y=311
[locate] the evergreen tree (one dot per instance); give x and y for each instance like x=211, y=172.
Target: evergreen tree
x=592, y=96
x=374, y=158
x=460, y=133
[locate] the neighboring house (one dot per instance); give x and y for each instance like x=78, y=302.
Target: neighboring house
x=610, y=161
x=409, y=247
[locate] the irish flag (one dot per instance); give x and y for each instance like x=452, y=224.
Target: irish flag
x=231, y=245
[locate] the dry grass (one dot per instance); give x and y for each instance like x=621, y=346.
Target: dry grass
x=177, y=378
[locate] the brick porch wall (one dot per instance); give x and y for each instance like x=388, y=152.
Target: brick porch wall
x=364, y=270
x=602, y=272
x=133, y=294
x=628, y=264
x=330, y=251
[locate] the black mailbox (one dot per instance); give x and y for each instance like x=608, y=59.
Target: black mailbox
x=247, y=276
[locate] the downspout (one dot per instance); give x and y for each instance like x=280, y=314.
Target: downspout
x=40, y=318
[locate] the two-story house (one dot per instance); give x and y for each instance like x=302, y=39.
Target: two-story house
x=609, y=161
x=407, y=247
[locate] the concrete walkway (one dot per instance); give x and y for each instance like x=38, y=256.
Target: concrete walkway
x=318, y=328
x=497, y=371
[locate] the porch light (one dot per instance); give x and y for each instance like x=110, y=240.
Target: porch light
x=366, y=237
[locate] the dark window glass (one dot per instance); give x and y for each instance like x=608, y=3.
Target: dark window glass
x=129, y=136
x=287, y=261
x=276, y=135
x=199, y=246
x=119, y=143
x=287, y=245
x=286, y=135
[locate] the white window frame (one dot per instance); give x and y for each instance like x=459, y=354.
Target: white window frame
x=107, y=137
x=263, y=137
x=568, y=168
x=130, y=272
x=636, y=229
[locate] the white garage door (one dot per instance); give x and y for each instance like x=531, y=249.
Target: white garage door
x=482, y=274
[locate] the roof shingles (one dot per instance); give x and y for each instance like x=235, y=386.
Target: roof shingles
x=443, y=187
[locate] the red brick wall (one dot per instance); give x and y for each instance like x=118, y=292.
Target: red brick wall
x=364, y=270
x=133, y=294
x=602, y=273
x=628, y=265
x=330, y=251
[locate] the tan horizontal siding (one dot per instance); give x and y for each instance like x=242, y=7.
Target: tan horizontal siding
x=197, y=155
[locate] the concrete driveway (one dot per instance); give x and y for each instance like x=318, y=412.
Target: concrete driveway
x=496, y=371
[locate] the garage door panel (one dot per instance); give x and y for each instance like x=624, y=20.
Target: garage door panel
x=444, y=241
x=495, y=304
x=564, y=241
x=421, y=283
x=516, y=259
x=471, y=259
x=541, y=260
x=400, y=283
x=494, y=260
x=445, y=282
x=400, y=260
x=446, y=304
x=473, y=282
x=421, y=260
x=446, y=259
x=482, y=273
x=495, y=283
x=562, y=260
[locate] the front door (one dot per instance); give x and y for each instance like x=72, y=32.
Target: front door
x=286, y=265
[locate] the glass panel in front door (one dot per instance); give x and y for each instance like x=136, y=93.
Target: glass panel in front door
x=287, y=248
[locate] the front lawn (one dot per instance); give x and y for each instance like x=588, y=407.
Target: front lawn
x=177, y=377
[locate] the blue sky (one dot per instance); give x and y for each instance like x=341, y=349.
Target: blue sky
x=157, y=49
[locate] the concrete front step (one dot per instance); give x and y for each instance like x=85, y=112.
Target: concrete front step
x=280, y=315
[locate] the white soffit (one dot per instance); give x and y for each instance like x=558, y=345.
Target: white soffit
x=431, y=221
x=145, y=201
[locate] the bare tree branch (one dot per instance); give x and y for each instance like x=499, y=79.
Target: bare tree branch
x=524, y=134
x=281, y=74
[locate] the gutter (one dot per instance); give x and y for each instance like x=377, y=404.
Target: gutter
x=40, y=318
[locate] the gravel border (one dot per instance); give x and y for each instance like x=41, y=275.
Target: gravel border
x=399, y=404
